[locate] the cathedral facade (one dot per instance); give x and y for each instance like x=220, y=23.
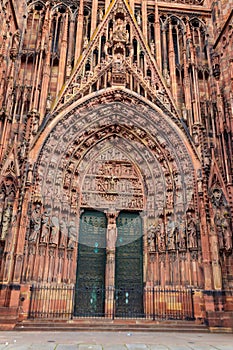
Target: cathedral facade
x=116, y=160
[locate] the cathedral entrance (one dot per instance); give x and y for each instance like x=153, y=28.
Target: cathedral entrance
x=109, y=279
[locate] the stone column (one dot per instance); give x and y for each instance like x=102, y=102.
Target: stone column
x=110, y=262
x=94, y=13
x=172, y=63
x=79, y=32
x=144, y=19
x=157, y=36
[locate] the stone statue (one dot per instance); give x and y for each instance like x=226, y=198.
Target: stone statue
x=35, y=125
x=227, y=232
x=181, y=233
x=151, y=238
x=224, y=233
x=138, y=17
x=191, y=229
x=54, y=236
x=217, y=197
x=35, y=224
x=45, y=227
x=119, y=32
x=72, y=235
x=171, y=233
x=219, y=229
x=63, y=234
x=222, y=220
x=161, y=237
x=6, y=219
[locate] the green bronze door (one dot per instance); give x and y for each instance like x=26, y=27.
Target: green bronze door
x=89, y=292
x=129, y=266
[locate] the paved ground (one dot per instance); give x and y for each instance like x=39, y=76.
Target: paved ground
x=114, y=341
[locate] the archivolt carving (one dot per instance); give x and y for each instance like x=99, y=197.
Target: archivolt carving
x=159, y=154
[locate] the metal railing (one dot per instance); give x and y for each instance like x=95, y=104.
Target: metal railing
x=51, y=301
x=65, y=301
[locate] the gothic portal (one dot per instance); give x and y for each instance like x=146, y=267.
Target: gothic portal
x=116, y=160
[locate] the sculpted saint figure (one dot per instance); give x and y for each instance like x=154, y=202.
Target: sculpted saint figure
x=72, y=233
x=171, y=233
x=45, y=226
x=6, y=219
x=227, y=232
x=54, y=236
x=64, y=234
x=191, y=228
x=219, y=229
x=151, y=238
x=161, y=237
x=35, y=224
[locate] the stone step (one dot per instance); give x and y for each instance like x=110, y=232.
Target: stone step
x=68, y=326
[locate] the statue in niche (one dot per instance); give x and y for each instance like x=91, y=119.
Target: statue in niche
x=222, y=220
x=35, y=224
x=63, y=234
x=119, y=32
x=35, y=125
x=45, y=231
x=191, y=229
x=74, y=198
x=55, y=227
x=217, y=198
x=152, y=47
x=100, y=14
x=15, y=44
x=161, y=237
x=181, y=233
x=72, y=233
x=219, y=229
x=138, y=17
x=6, y=219
x=151, y=238
x=227, y=232
x=171, y=232
x=223, y=228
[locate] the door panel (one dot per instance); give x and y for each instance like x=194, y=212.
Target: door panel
x=129, y=266
x=89, y=293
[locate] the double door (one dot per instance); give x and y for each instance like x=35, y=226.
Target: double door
x=95, y=294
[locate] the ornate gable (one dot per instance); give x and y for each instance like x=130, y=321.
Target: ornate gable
x=117, y=55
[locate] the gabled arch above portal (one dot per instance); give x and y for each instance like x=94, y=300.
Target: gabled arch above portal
x=116, y=55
